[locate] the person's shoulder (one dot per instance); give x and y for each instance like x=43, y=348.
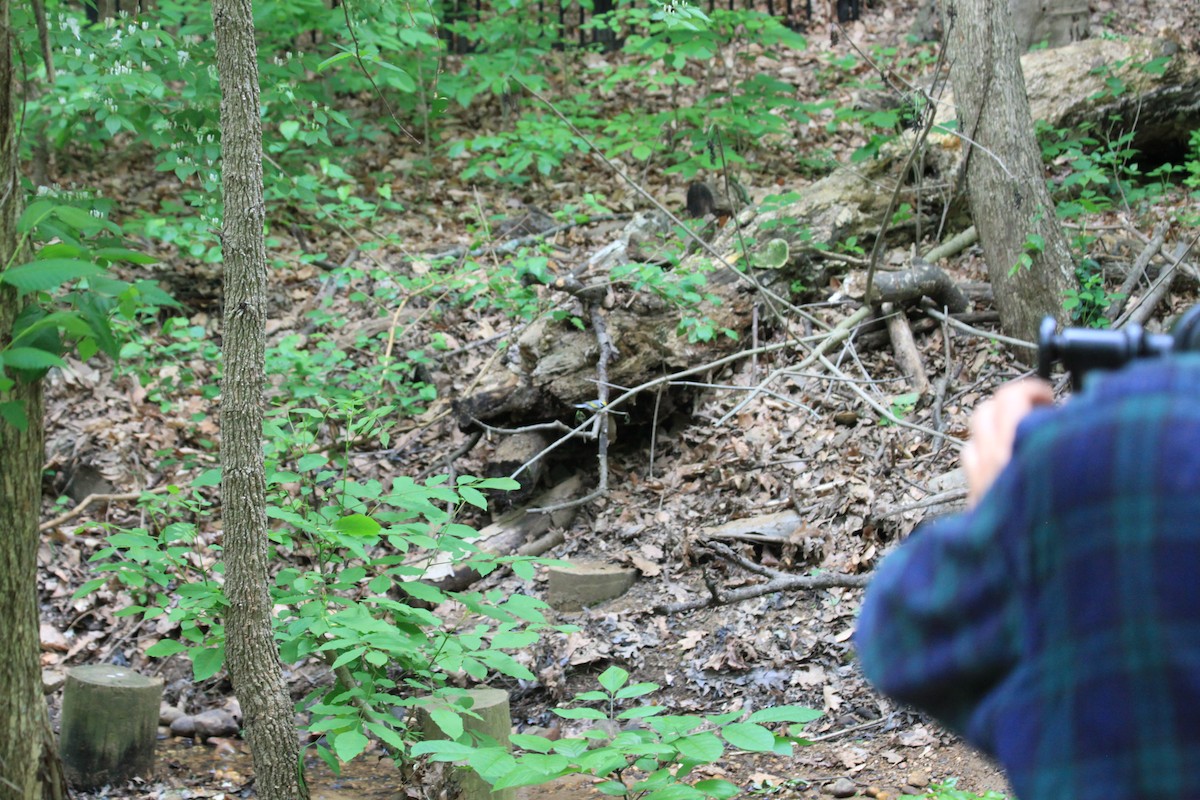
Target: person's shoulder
x=1178, y=373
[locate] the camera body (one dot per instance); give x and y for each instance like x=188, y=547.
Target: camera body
x=1081, y=350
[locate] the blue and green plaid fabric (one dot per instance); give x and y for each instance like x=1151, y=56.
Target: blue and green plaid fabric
x=1057, y=625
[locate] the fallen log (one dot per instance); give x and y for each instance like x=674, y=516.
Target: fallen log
x=505, y=536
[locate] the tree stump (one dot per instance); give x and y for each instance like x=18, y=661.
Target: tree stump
x=109, y=725
x=494, y=722
x=582, y=584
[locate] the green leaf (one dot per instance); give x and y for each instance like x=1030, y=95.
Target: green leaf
x=400, y=79
x=423, y=591
x=703, y=747
x=289, y=128
x=387, y=735
x=334, y=59
x=613, y=679
x=83, y=221
x=641, y=712
x=1156, y=66
x=124, y=254
x=206, y=661
x=164, y=648
x=525, y=774
x=95, y=311
x=13, y=413
x=500, y=484
x=718, y=788
x=680, y=791
x=527, y=741
x=358, y=525
x=637, y=690
x=473, y=496
x=580, y=713
x=492, y=763
x=210, y=477
x=514, y=640
x=449, y=721
x=571, y=748
x=614, y=788
x=349, y=744
x=34, y=215
x=442, y=750
x=311, y=461
x=603, y=761
x=30, y=358
x=41, y=276
x=798, y=714
x=748, y=736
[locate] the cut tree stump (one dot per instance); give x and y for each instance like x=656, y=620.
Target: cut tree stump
x=109, y=725
x=494, y=722
x=583, y=584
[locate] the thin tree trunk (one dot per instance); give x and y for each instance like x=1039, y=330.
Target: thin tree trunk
x=251, y=651
x=1010, y=203
x=29, y=765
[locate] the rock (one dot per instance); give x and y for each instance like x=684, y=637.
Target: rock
x=234, y=708
x=53, y=639
x=183, y=726
x=167, y=714
x=842, y=787
x=918, y=778
x=217, y=722
x=52, y=680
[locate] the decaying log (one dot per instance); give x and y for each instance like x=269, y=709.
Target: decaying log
x=775, y=528
x=552, y=366
x=513, y=451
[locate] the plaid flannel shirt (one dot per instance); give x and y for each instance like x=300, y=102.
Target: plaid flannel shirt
x=1056, y=626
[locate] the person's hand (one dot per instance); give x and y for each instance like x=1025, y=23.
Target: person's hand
x=993, y=429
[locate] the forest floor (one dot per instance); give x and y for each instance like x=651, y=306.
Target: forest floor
x=814, y=448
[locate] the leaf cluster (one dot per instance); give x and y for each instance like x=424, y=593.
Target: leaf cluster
x=640, y=751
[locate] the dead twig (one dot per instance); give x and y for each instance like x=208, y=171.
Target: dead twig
x=82, y=505
x=509, y=245
x=940, y=499
x=608, y=352
x=790, y=583
x=840, y=333
x=1137, y=271
x=1140, y=312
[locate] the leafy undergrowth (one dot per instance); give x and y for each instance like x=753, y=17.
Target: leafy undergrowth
x=349, y=334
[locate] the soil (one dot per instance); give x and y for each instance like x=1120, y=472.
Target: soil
x=811, y=446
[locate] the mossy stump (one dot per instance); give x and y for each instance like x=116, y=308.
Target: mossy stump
x=109, y=725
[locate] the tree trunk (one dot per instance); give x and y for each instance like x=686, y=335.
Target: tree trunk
x=1006, y=181
x=29, y=765
x=252, y=654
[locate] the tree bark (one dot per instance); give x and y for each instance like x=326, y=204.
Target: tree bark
x=253, y=656
x=29, y=765
x=1010, y=203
